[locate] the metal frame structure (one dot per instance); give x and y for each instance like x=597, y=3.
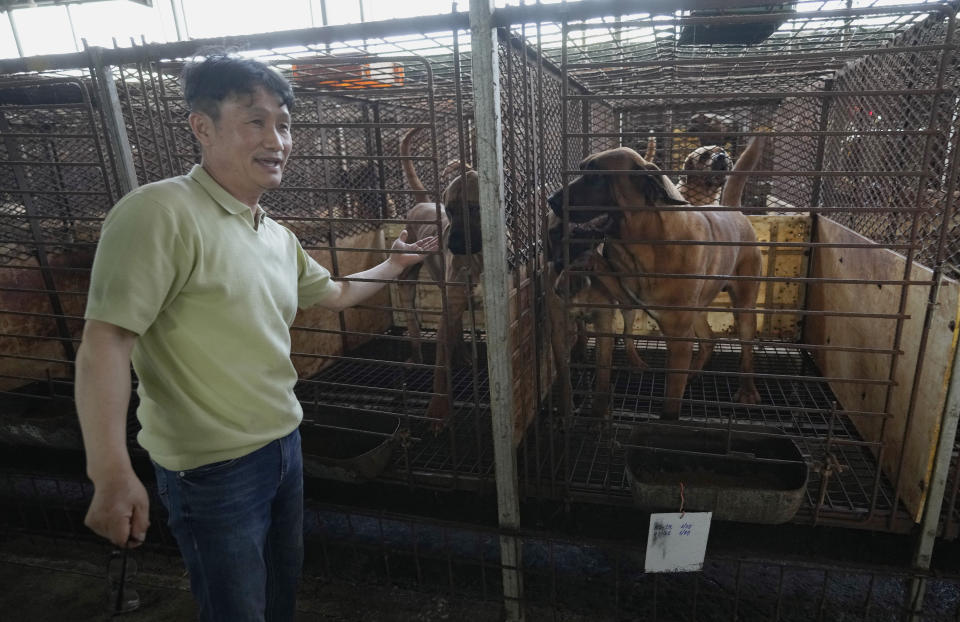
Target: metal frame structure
x=540, y=88
x=633, y=64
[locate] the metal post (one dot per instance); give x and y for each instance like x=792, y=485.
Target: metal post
x=323, y=12
x=816, y=193
x=938, y=483
x=115, y=127
x=381, y=172
x=16, y=35
x=933, y=507
x=183, y=16
x=176, y=19
x=73, y=30
x=496, y=286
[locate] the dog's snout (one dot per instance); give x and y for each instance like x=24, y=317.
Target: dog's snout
x=457, y=242
x=721, y=162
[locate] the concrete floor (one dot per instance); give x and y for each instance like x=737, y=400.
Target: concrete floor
x=46, y=579
x=65, y=581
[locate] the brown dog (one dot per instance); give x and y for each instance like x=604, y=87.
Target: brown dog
x=633, y=201
x=459, y=215
x=570, y=278
x=695, y=192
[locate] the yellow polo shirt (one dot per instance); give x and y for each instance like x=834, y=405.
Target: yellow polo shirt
x=212, y=295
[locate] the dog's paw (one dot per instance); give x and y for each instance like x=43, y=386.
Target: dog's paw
x=578, y=353
x=670, y=415
x=438, y=426
x=438, y=409
x=747, y=395
x=633, y=357
x=600, y=408
x=463, y=358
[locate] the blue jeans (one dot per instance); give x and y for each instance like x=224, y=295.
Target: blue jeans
x=239, y=526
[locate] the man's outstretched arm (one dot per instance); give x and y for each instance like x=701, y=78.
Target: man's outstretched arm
x=349, y=293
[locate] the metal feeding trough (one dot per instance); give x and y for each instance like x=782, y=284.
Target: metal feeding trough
x=347, y=446
x=751, y=474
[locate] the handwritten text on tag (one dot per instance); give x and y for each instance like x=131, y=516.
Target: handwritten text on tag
x=677, y=542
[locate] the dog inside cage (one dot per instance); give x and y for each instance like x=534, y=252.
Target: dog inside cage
x=820, y=152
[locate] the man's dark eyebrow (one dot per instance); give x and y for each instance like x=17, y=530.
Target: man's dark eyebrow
x=261, y=110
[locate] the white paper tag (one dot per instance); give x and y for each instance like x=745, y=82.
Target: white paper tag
x=677, y=542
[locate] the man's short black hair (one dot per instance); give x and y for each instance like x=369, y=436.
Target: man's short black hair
x=208, y=82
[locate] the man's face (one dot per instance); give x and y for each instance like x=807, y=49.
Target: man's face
x=246, y=149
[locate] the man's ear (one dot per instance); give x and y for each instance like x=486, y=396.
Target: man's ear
x=202, y=126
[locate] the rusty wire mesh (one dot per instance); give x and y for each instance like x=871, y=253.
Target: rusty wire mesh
x=56, y=184
x=907, y=172
x=344, y=179
x=53, y=162
x=333, y=173
x=343, y=190
x=856, y=112
x=896, y=102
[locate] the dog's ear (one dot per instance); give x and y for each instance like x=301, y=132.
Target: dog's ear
x=468, y=185
x=660, y=190
x=655, y=189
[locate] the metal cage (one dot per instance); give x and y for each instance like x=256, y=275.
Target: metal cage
x=852, y=202
x=855, y=182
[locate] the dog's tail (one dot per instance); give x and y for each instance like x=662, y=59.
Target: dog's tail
x=453, y=168
x=732, y=195
x=409, y=170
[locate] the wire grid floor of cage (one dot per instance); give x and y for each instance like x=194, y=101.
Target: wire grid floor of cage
x=457, y=450
x=794, y=400
x=459, y=453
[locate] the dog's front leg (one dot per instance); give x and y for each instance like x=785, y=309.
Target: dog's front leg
x=578, y=351
x=560, y=344
x=460, y=355
x=442, y=402
x=457, y=302
x=602, y=390
x=705, y=334
x=629, y=342
x=408, y=300
x=629, y=314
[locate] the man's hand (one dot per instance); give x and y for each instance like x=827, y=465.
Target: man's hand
x=120, y=509
x=358, y=287
x=411, y=252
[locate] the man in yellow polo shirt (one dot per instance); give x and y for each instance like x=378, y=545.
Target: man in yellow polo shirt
x=198, y=287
